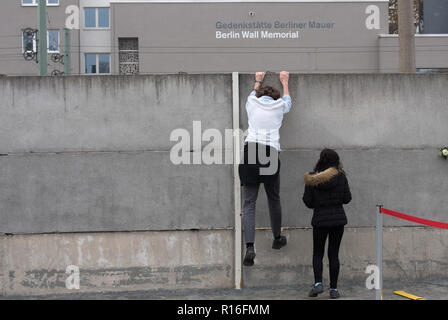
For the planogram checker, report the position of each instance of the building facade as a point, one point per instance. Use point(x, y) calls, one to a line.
point(95, 36)
point(90, 37)
point(171, 36)
point(16, 16)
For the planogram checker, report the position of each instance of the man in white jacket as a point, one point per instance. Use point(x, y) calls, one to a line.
point(265, 109)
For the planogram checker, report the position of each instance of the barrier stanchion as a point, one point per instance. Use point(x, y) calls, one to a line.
point(379, 252)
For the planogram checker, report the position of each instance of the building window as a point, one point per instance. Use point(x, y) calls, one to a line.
point(128, 55)
point(29, 41)
point(53, 41)
point(432, 70)
point(91, 63)
point(103, 17)
point(104, 63)
point(36, 2)
point(96, 18)
point(89, 15)
point(97, 63)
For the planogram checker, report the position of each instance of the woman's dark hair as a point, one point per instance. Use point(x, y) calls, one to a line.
point(328, 158)
point(268, 91)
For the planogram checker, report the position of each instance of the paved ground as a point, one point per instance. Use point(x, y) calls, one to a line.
point(429, 290)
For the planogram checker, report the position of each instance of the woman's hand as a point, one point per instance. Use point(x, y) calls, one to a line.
point(259, 76)
point(284, 77)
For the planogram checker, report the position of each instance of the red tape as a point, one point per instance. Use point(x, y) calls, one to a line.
point(403, 216)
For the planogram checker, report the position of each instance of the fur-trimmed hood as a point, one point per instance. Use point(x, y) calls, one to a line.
point(316, 179)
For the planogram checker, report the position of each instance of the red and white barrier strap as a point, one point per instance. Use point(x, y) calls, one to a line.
point(403, 216)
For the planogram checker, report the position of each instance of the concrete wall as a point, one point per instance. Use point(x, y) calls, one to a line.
point(126, 261)
point(117, 261)
point(86, 179)
point(409, 254)
point(92, 154)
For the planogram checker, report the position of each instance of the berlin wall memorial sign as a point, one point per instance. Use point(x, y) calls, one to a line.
point(266, 30)
point(244, 36)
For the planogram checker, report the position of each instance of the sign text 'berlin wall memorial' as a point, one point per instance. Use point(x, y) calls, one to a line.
point(267, 30)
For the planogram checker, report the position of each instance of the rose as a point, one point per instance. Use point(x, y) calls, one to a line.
point(444, 152)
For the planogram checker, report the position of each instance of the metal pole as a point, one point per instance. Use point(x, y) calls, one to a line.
point(67, 49)
point(42, 18)
point(379, 251)
point(236, 179)
point(406, 39)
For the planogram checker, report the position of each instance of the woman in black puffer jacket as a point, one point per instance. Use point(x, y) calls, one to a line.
point(326, 190)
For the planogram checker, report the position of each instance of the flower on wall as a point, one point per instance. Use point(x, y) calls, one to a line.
point(444, 152)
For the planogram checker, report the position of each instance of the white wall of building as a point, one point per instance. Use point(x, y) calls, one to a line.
point(93, 40)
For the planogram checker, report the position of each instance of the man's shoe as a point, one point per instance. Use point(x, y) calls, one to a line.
point(315, 290)
point(249, 257)
point(334, 294)
point(278, 243)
